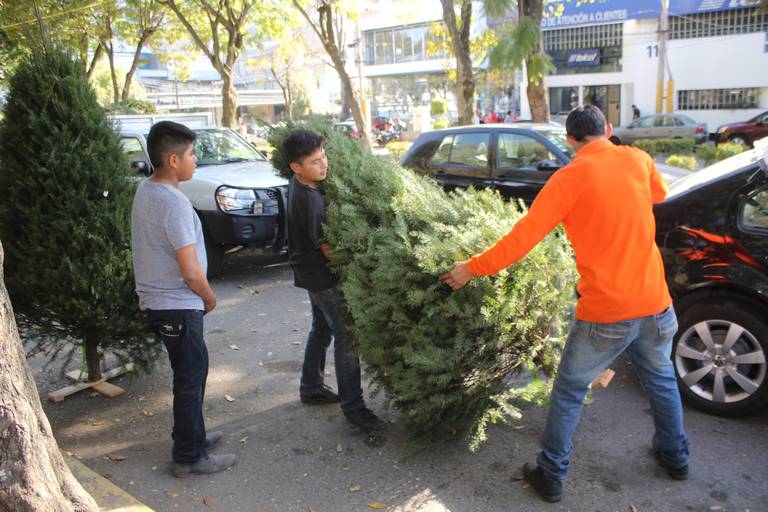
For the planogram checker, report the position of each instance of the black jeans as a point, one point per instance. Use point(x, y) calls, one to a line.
point(327, 322)
point(182, 333)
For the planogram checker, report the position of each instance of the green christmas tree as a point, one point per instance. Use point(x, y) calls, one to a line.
point(443, 358)
point(65, 215)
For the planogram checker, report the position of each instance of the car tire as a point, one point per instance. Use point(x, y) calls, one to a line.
point(215, 255)
point(738, 138)
point(737, 381)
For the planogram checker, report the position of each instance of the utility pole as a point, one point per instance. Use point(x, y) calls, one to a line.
point(361, 79)
point(663, 30)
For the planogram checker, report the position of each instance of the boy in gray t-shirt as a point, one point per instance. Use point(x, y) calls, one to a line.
point(169, 263)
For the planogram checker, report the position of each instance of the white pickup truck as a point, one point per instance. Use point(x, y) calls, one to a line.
point(235, 191)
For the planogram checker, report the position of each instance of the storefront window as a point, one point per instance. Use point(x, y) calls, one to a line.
point(384, 53)
point(563, 99)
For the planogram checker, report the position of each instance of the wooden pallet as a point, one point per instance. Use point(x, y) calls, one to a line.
point(102, 386)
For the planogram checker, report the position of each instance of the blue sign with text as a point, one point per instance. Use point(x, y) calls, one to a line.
point(587, 57)
point(567, 13)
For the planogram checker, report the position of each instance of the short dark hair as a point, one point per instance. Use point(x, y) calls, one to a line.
point(165, 138)
point(585, 120)
point(300, 144)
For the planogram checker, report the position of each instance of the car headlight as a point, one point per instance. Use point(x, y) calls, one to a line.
point(239, 200)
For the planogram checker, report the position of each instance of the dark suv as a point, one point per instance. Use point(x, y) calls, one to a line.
point(713, 234)
point(745, 132)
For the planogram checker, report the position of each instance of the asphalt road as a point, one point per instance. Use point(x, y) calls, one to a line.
point(300, 458)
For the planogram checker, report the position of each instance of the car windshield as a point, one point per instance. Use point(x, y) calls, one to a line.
point(557, 138)
point(713, 171)
point(217, 147)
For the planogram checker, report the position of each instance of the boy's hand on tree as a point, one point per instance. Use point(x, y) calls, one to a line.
point(458, 276)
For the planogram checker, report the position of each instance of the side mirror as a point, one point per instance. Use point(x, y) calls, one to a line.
point(547, 165)
point(140, 166)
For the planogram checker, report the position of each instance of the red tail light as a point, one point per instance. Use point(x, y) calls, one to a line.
point(699, 129)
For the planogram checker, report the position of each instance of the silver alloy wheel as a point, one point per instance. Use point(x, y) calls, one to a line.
point(720, 361)
point(738, 139)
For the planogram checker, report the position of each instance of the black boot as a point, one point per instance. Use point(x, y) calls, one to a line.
point(549, 489)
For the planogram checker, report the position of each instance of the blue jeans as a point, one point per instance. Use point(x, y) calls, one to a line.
point(182, 333)
point(327, 322)
point(591, 347)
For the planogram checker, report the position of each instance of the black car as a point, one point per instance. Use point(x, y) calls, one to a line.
point(713, 234)
point(515, 159)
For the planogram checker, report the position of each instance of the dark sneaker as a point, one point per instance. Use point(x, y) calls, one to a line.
point(211, 438)
point(321, 396)
point(364, 419)
point(674, 473)
point(206, 465)
point(549, 489)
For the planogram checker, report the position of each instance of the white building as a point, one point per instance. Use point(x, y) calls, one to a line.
point(607, 54)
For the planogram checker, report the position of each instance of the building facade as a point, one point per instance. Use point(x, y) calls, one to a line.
point(607, 54)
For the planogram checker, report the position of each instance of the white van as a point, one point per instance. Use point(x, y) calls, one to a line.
point(235, 191)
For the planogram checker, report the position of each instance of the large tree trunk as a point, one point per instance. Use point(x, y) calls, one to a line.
point(33, 475)
point(134, 66)
point(536, 90)
point(460, 44)
point(229, 100)
point(325, 30)
point(94, 61)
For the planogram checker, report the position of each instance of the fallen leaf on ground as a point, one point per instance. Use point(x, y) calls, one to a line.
point(518, 427)
point(296, 343)
point(377, 505)
point(355, 488)
point(632, 508)
point(147, 413)
point(244, 439)
point(229, 398)
point(255, 292)
point(339, 448)
point(116, 458)
point(108, 476)
point(171, 495)
point(98, 423)
point(234, 347)
point(207, 501)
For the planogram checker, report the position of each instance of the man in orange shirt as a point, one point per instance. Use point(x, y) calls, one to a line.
point(604, 199)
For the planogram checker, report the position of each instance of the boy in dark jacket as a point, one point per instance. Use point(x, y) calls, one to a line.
point(309, 257)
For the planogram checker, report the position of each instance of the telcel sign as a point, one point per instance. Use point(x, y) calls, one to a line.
point(588, 57)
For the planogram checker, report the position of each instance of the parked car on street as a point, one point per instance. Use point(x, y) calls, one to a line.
point(347, 127)
point(380, 124)
point(713, 234)
point(661, 126)
point(515, 159)
point(745, 132)
point(235, 191)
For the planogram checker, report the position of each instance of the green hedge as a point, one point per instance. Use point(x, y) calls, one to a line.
point(682, 161)
point(398, 148)
point(655, 147)
point(712, 154)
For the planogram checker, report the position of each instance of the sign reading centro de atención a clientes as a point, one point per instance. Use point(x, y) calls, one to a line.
point(567, 13)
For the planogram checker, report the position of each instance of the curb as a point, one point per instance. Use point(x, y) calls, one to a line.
point(108, 496)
